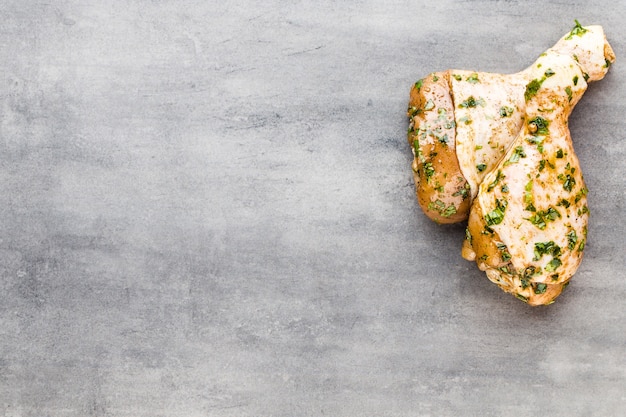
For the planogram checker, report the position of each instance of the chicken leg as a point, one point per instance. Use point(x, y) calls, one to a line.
point(528, 223)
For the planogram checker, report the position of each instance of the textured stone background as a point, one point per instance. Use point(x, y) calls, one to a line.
point(207, 209)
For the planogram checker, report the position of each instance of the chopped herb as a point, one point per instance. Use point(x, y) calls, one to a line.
point(568, 90)
point(457, 77)
point(549, 73)
point(478, 147)
point(429, 105)
point(564, 203)
point(540, 288)
point(449, 211)
point(581, 246)
point(484, 257)
point(578, 30)
point(538, 125)
point(607, 63)
point(471, 102)
point(521, 297)
point(575, 79)
point(413, 111)
point(473, 79)
point(466, 120)
point(429, 171)
point(435, 78)
point(505, 269)
point(580, 194)
point(504, 188)
point(553, 264)
point(586, 76)
point(506, 111)
point(506, 256)
point(443, 139)
point(496, 215)
point(572, 238)
point(440, 207)
point(525, 282)
point(468, 235)
point(540, 218)
point(530, 271)
point(542, 165)
point(546, 248)
point(532, 88)
point(419, 84)
point(518, 153)
point(528, 195)
point(481, 167)
point(463, 191)
point(437, 205)
point(551, 214)
point(530, 207)
point(499, 176)
point(559, 153)
point(568, 181)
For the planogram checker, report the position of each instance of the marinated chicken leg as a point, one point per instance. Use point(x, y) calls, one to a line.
point(528, 223)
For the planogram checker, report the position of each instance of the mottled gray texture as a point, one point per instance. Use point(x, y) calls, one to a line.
point(207, 210)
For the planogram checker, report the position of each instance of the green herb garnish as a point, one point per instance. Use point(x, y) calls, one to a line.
point(518, 153)
point(463, 191)
point(578, 30)
point(532, 88)
point(540, 218)
point(568, 90)
point(506, 111)
point(538, 126)
point(499, 176)
point(572, 238)
point(473, 79)
point(440, 207)
point(553, 264)
point(540, 288)
point(429, 171)
point(568, 181)
point(472, 102)
point(496, 215)
point(546, 248)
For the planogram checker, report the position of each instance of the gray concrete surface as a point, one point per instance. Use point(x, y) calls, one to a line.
point(207, 210)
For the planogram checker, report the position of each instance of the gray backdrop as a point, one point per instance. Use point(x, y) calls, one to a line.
point(207, 209)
